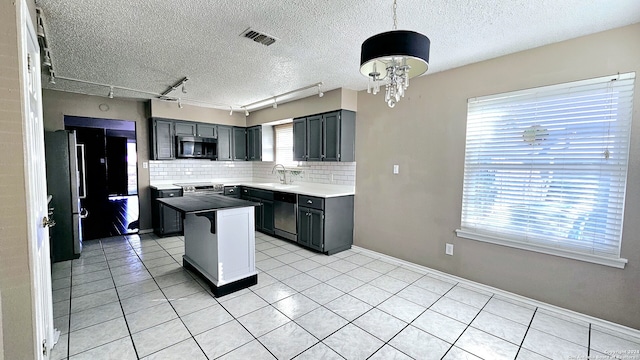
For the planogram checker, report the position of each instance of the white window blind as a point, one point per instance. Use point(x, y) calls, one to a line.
point(546, 168)
point(284, 144)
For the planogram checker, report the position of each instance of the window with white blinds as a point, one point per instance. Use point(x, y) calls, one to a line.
point(546, 168)
point(284, 144)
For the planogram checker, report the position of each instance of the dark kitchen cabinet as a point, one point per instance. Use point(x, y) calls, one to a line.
point(206, 130)
point(225, 143)
point(185, 128)
point(267, 225)
point(314, 138)
point(264, 214)
point(239, 143)
point(165, 220)
point(232, 191)
point(325, 225)
point(254, 143)
point(325, 137)
point(300, 139)
point(311, 228)
point(331, 135)
point(162, 139)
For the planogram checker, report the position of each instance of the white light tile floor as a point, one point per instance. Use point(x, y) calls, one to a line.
point(128, 297)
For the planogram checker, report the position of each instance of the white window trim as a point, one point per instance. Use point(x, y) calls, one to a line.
point(618, 262)
point(601, 260)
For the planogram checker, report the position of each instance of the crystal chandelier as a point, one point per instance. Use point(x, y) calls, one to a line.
point(392, 58)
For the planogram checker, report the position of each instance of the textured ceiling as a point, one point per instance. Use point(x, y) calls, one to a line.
point(149, 45)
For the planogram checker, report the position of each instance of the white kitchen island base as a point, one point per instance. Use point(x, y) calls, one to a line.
point(220, 246)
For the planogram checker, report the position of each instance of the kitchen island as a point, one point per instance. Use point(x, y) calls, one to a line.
point(219, 240)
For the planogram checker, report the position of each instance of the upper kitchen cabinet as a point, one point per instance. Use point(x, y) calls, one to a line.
point(225, 143)
point(325, 137)
point(300, 139)
point(254, 143)
point(162, 139)
point(185, 128)
point(206, 130)
point(239, 143)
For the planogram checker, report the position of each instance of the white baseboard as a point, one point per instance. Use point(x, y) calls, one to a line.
point(145, 231)
point(604, 324)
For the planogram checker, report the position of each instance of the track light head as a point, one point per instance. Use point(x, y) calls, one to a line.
point(320, 93)
point(52, 77)
point(180, 103)
point(184, 89)
point(46, 61)
point(275, 103)
point(110, 92)
point(246, 112)
point(230, 111)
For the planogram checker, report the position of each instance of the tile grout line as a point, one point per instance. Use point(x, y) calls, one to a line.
point(535, 311)
point(172, 307)
point(468, 326)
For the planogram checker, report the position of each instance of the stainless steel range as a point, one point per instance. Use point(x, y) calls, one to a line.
point(201, 188)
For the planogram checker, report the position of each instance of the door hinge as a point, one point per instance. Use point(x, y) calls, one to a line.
point(322, 216)
point(29, 63)
point(338, 156)
point(44, 347)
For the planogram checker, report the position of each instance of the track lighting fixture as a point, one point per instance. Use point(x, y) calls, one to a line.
point(184, 88)
point(110, 92)
point(230, 111)
point(273, 101)
point(52, 77)
point(180, 103)
point(46, 61)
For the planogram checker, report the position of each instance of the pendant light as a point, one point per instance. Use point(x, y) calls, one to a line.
point(392, 58)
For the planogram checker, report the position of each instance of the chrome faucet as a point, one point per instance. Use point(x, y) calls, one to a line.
point(282, 179)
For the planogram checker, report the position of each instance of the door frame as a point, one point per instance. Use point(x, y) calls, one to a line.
point(37, 233)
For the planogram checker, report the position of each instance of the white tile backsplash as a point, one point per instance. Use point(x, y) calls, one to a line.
point(339, 173)
point(185, 169)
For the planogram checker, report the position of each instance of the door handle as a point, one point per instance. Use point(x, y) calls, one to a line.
point(48, 222)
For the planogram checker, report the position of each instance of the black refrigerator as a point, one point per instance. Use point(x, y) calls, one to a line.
point(66, 185)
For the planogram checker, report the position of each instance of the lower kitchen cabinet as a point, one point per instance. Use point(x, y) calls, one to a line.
point(232, 191)
point(264, 214)
point(325, 225)
point(311, 228)
point(165, 220)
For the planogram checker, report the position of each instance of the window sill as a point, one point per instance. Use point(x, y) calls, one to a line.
point(596, 259)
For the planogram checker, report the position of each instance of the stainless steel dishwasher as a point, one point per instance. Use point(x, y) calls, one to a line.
point(285, 209)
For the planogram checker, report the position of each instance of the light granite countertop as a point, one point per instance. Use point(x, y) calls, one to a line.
point(300, 188)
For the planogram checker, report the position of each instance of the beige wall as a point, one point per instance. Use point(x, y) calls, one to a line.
point(15, 281)
point(57, 104)
point(412, 215)
point(168, 109)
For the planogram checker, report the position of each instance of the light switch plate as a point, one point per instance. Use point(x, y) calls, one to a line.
point(145, 164)
point(449, 249)
point(396, 169)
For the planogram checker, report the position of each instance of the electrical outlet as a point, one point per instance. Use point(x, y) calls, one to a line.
point(396, 169)
point(449, 249)
point(145, 164)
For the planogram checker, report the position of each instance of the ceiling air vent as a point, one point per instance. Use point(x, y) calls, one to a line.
point(258, 37)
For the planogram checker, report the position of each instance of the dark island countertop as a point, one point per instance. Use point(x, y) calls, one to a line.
point(204, 203)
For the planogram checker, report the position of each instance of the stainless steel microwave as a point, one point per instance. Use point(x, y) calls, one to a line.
point(195, 147)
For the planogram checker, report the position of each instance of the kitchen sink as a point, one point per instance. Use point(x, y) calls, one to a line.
point(277, 186)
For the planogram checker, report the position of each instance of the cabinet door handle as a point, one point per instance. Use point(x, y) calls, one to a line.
point(230, 190)
point(171, 195)
point(309, 202)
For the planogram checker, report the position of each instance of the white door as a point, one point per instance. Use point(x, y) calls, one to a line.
point(36, 185)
